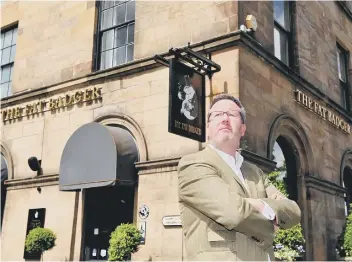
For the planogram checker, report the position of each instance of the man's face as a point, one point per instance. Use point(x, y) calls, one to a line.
point(225, 127)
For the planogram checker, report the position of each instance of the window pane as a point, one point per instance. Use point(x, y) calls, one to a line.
point(9, 91)
point(5, 74)
point(121, 35)
point(130, 33)
point(119, 56)
point(130, 49)
point(4, 90)
point(11, 72)
point(107, 4)
point(13, 53)
point(119, 2)
point(343, 98)
point(131, 10)
point(5, 56)
point(341, 65)
point(106, 59)
point(107, 41)
point(280, 46)
point(281, 13)
point(2, 40)
point(8, 39)
point(120, 14)
point(106, 19)
point(14, 36)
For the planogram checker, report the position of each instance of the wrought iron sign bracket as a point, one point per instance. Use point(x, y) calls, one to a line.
point(196, 61)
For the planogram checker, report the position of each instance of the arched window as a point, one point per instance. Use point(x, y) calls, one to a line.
point(4, 176)
point(347, 183)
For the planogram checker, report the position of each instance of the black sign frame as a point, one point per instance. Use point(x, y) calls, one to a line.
point(34, 221)
point(186, 101)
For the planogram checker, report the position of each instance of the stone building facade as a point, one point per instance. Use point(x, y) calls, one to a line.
point(296, 93)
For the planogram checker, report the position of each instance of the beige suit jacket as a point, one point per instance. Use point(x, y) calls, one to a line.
point(219, 222)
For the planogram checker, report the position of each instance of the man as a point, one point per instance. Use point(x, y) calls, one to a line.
point(229, 210)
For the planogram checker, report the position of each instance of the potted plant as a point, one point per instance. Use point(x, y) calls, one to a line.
point(124, 241)
point(344, 246)
point(39, 240)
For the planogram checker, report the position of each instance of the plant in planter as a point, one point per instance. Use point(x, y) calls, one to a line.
point(288, 243)
point(39, 240)
point(124, 241)
point(344, 247)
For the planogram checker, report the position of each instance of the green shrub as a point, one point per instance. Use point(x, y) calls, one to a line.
point(39, 240)
point(288, 243)
point(124, 241)
point(347, 238)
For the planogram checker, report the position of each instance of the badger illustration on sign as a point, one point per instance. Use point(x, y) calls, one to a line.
point(186, 93)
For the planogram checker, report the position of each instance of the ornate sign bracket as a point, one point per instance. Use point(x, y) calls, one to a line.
point(192, 59)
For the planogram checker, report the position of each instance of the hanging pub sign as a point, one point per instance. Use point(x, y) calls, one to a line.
point(186, 102)
point(36, 218)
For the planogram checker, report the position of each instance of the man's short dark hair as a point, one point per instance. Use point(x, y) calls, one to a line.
point(233, 99)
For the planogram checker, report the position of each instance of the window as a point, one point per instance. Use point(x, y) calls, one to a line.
point(116, 33)
point(342, 58)
point(7, 54)
point(282, 31)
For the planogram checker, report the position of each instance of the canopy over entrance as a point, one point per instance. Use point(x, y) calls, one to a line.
point(96, 156)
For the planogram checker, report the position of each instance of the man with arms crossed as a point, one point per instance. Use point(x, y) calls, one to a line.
point(229, 210)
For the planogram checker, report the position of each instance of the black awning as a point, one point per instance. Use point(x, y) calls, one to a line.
point(96, 156)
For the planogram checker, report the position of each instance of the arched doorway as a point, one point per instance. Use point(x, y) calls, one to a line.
point(4, 177)
point(288, 142)
point(347, 183)
point(287, 164)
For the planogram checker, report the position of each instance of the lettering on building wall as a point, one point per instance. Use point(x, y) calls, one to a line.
point(322, 111)
point(68, 100)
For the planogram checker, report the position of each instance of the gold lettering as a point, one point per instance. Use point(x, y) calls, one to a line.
point(10, 113)
point(42, 105)
point(305, 100)
point(324, 112)
point(70, 99)
point(298, 95)
point(96, 93)
point(310, 102)
point(18, 112)
point(53, 103)
point(31, 109)
point(177, 124)
point(78, 96)
point(4, 115)
point(320, 112)
point(86, 94)
point(60, 102)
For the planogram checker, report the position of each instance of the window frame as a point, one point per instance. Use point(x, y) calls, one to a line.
point(288, 34)
point(10, 64)
point(344, 86)
point(97, 53)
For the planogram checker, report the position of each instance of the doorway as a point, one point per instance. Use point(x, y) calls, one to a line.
point(104, 209)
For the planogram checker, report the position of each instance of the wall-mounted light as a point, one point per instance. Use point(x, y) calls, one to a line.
point(35, 165)
point(251, 22)
point(39, 189)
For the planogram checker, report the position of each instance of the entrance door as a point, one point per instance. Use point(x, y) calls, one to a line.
point(104, 209)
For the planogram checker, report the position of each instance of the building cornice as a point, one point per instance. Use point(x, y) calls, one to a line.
point(324, 185)
point(345, 8)
point(157, 166)
point(265, 164)
point(30, 182)
point(215, 44)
